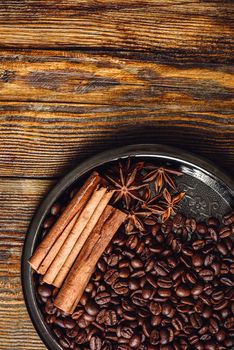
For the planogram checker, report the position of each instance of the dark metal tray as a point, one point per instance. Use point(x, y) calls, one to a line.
point(209, 192)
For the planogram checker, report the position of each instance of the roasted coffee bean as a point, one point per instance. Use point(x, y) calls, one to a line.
point(164, 336)
point(197, 259)
point(227, 281)
point(91, 308)
point(44, 291)
point(222, 248)
point(135, 341)
point(152, 280)
point(111, 276)
point(110, 318)
point(55, 209)
point(154, 337)
point(198, 244)
point(164, 282)
point(95, 343)
point(155, 308)
point(113, 260)
point(178, 324)
point(64, 343)
point(229, 323)
point(81, 338)
point(206, 274)
point(49, 221)
point(124, 272)
point(183, 291)
point(163, 292)
point(121, 287)
point(197, 290)
point(102, 298)
point(134, 284)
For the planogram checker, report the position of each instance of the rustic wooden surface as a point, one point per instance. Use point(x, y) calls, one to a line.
point(78, 77)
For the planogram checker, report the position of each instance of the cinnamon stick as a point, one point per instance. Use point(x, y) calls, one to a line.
point(57, 246)
point(74, 206)
point(75, 233)
point(82, 239)
point(84, 265)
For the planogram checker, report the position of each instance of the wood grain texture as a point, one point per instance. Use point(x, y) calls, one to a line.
point(114, 79)
point(202, 28)
point(46, 140)
point(19, 199)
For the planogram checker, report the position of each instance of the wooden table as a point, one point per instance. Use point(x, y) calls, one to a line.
point(79, 77)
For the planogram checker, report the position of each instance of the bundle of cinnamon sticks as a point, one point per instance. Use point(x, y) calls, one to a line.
point(68, 254)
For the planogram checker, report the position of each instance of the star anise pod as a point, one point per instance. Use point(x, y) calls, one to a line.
point(125, 183)
point(135, 219)
point(169, 203)
point(161, 176)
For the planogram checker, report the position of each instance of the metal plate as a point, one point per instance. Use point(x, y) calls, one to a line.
point(209, 192)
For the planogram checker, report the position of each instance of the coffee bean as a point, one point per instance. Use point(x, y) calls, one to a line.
point(110, 318)
point(132, 241)
point(177, 323)
point(124, 272)
point(197, 290)
point(220, 335)
point(168, 310)
point(227, 281)
point(103, 298)
point(164, 336)
point(165, 282)
point(95, 343)
point(222, 248)
point(154, 337)
point(155, 308)
point(69, 323)
point(198, 244)
point(64, 343)
point(113, 260)
point(152, 280)
point(135, 341)
point(183, 291)
point(198, 259)
point(121, 287)
point(81, 338)
point(134, 284)
point(55, 209)
point(44, 290)
point(49, 221)
point(213, 327)
point(206, 274)
point(111, 276)
point(229, 323)
point(136, 263)
point(91, 308)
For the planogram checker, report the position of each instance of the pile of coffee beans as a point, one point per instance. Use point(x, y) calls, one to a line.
point(171, 287)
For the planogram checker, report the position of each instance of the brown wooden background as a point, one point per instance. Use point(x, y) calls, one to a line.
point(78, 77)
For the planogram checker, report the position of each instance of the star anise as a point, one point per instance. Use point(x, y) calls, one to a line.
point(161, 176)
point(135, 219)
point(125, 183)
point(169, 203)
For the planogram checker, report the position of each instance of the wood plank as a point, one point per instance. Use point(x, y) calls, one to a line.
point(193, 28)
point(113, 79)
point(46, 140)
point(19, 199)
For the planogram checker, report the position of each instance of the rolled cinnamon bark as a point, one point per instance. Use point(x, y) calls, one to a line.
point(82, 239)
point(57, 246)
point(79, 275)
point(75, 233)
point(76, 204)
